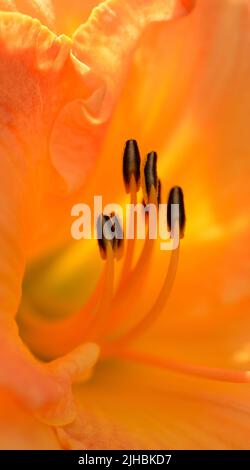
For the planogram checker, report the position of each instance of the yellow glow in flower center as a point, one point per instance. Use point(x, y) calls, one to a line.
point(106, 316)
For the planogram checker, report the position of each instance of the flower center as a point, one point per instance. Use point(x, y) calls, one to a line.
point(115, 313)
point(111, 324)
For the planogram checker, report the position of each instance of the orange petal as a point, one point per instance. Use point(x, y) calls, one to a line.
point(98, 49)
point(99, 43)
point(28, 53)
point(19, 430)
point(138, 407)
point(61, 16)
point(198, 118)
point(69, 15)
point(39, 9)
point(198, 122)
point(44, 388)
point(30, 56)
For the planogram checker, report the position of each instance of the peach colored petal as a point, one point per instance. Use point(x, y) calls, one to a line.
point(39, 9)
point(98, 49)
point(65, 16)
point(99, 43)
point(209, 300)
point(37, 58)
point(69, 15)
point(19, 430)
point(212, 286)
point(44, 388)
point(140, 408)
point(21, 64)
point(23, 124)
point(196, 149)
point(219, 412)
point(61, 16)
point(30, 55)
point(198, 119)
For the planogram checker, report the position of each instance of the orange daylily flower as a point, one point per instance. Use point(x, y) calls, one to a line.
point(73, 90)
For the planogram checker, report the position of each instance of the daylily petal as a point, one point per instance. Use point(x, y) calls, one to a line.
point(37, 56)
point(197, 149)
point(211, 293)
point(21, 64)
point(196, 120)
point(139, 408)
point(19, 430)
point(39, 9)
point(98, 49)
point(215, 409)
point(77, 11)
point(44, 388)
point(21, 88)
point(61, 16)
point(199, 116)
point(69, 15)
point(30, 55)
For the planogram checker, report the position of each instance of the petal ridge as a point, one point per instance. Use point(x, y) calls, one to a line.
point(105, 44)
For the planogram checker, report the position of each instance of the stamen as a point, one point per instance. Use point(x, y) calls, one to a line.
point(134, 284)
point(159, 192)
point(131, 176)
point(130, 242)
point(105, 310)
point(109, 282)
point(112, 250)
point(158, 306)
point(102, 315)
point(62, 335)
point(131, 289)
point(118, 241)
point(195, 370)
point(103, 241)
point(109, 244)
point(176, 197)
point(150, 185)
point(131, 165)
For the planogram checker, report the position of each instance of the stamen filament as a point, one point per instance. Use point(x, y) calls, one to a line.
point(205, 372)
point(159, 304)
point(131, 242)
point(123, 295)
point(102, 314)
